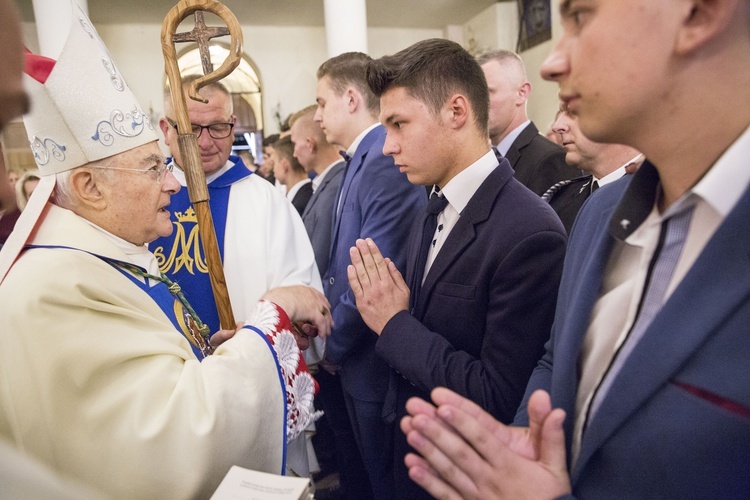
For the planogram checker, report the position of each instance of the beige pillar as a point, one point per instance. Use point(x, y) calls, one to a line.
point(346, 26)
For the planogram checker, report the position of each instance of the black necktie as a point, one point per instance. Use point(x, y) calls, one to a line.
point(594, 186)
point(436, 205)
point(348, 160)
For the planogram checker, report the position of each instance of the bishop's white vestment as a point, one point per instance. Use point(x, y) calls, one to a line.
point(97, 381)
point(263, 244)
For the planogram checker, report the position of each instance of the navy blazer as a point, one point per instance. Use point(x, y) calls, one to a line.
point(302, 197)
point(538, 162)
point(484, 312)
point(378, 202)
point(676, 421)
point(318, 215)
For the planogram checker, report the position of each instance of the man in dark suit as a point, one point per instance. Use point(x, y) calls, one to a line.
point(334, 430)
point(375, 200)
point(290, 173)
point(318, 156)
point(644, 391)
point(538, 162)
point(484, 280)
point(603, 164)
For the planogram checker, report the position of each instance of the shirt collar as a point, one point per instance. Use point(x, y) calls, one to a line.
point(354, 145)
point(293, 190)
point(462, 187)
point(509, 139)
point(319, 178)
point(721, 187)
point(139, 255)
point(616, 174)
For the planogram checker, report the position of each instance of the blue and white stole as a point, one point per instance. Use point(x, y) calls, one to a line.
point(180, 255)
point(159, 293)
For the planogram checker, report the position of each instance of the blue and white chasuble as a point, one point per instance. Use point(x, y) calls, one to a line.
point(180, 255)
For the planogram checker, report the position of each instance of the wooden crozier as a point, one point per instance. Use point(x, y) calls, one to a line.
point(187, 141)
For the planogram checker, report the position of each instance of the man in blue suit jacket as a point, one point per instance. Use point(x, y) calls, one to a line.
point(375, 200)
point(647, 367)
point(334, 430)
point(482, 313)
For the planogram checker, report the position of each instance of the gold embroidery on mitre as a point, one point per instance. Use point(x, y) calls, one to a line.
point(186, 248)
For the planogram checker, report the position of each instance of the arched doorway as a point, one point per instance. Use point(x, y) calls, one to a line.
point(244, 86)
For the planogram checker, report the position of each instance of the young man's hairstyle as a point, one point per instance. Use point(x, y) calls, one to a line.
point(270, 140)
point(432, 71)
point(350, 69)
point(285, 149)
point(504, 57)
point(304, 112)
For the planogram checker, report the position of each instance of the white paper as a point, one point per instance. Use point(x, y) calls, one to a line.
point(246, 484)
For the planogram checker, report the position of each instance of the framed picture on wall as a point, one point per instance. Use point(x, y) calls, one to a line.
point(535, 23)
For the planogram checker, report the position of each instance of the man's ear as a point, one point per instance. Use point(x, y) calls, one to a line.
point(524, 91)
point(313, 144)
point(87, 189)
point(285, 164)
point(456, 111)
point(165, 126)
point(702, 20)
point(352, 99)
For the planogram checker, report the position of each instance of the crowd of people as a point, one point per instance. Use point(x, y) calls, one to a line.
point(431, 298)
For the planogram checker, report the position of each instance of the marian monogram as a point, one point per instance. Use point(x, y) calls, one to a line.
point(186, 248)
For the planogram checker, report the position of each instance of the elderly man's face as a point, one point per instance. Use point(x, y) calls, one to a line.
point(13, 100)
point(137, 200)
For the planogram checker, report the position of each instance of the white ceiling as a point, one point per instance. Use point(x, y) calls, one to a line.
point(431, 14)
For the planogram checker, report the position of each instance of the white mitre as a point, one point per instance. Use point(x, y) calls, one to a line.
point(82, 110)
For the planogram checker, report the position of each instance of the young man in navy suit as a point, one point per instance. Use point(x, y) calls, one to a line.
point(644, 391)
point(484, 278)
point(333, 432)
point(377, 200)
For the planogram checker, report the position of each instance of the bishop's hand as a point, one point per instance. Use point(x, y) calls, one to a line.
point(305, 306)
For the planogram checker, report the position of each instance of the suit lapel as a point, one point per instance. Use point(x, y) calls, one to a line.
point(350, 173)
point(523, 140)
point(477, 210)
point(578, 294)
point(721, 272)
point(328, 178)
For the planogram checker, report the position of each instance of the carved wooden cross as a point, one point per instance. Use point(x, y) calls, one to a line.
point(202, 34)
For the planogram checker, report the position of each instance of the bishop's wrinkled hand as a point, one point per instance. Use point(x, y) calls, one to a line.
point(305, 306)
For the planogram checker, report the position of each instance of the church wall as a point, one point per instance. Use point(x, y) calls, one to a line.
point(287, 58)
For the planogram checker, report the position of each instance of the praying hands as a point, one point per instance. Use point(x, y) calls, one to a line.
point(466, 453)
point(379, 288)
